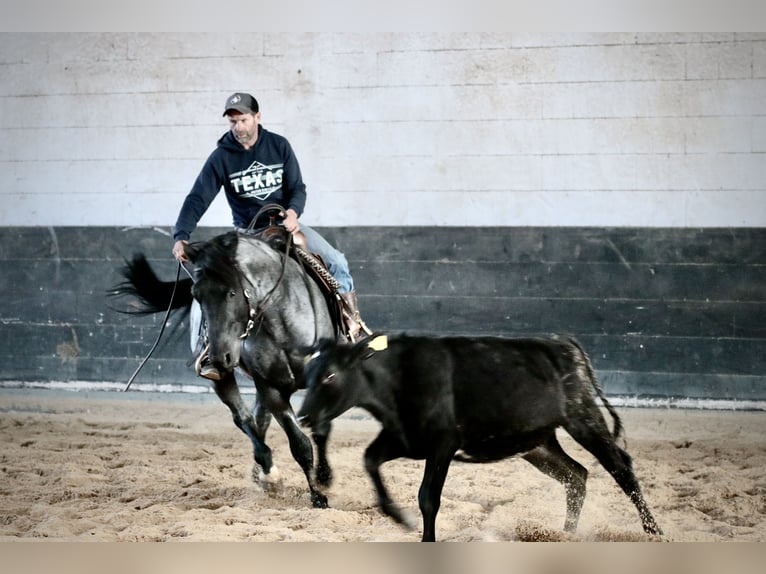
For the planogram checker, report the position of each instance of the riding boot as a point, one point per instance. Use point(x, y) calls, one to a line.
point(204, 367)
point(353, 318)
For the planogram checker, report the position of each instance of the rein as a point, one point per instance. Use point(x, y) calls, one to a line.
point(256, 309)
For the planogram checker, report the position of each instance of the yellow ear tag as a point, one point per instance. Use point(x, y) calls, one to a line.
point(379, 343)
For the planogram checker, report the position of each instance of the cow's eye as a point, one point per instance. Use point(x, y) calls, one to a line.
point(328, 379)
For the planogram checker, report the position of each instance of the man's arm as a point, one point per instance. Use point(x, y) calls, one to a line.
point(293, 185)
point(203, 192)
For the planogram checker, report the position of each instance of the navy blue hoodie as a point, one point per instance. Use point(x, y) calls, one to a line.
point(266, 173)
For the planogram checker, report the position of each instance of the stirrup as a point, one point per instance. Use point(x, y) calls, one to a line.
point(356, 329)
point(204, 367)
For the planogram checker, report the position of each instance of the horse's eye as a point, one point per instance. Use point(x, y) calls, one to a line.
point(232, 293)
point(328, 379)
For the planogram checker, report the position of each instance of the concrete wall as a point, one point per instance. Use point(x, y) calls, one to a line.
point(608, 185)
point(663, 312)
point(666, 130)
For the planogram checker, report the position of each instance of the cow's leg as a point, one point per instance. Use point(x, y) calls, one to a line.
point(599, 442)
point(429, 496)
point(228, 392)
point(551, 459)
point(300, 445)
point(382, 449)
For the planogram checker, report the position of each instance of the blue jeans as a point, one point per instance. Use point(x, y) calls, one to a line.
point(334, 259)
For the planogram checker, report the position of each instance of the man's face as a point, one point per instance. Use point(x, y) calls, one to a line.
point(244, 127)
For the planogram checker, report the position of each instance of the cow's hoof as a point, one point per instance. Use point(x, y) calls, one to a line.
point(654, 530)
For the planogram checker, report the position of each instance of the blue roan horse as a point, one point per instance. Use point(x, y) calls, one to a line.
point(259, 305)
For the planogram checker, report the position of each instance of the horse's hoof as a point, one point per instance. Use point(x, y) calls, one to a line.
point(319, 500)
point(269, 482)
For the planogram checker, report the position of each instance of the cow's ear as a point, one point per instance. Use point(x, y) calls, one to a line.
point(328, 378)
point(303, 354)
point(366, 348)
point(306, 353)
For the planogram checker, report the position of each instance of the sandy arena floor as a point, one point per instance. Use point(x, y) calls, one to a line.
point(138, 467)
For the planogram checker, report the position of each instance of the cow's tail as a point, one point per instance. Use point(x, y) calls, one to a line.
point(618, 428)
point(150, 294)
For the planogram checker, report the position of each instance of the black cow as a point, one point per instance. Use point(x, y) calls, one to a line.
point(477, 399)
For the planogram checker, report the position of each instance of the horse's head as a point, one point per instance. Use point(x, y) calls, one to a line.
point(220, 290)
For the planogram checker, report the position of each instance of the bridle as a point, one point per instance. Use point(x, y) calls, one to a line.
point(255, 309)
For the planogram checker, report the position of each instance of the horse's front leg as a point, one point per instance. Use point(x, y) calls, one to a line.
point(253, 426)
point(300, 445)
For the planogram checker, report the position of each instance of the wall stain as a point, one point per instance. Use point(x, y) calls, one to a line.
point(68, 351)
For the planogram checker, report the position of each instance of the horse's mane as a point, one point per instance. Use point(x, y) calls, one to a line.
point(216, 258)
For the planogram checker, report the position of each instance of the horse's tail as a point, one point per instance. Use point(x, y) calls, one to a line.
point(151, 295)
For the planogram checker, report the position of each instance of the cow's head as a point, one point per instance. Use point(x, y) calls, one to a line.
point(333, 378)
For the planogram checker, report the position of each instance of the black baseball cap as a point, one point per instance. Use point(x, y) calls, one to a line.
point(241, 102)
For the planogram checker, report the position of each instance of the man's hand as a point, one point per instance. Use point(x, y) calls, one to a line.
point(291, 221)
point(178, 251)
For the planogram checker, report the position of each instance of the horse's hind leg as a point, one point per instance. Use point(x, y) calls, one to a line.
point(323, 470)
point(551, 459)
point(255, 429)
point(268, 475)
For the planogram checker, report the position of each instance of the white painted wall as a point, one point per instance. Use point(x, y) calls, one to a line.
point(394, 129)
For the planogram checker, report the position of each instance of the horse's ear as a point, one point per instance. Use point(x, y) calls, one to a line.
point(191, 251)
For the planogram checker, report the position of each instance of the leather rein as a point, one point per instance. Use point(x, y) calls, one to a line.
point(256, 308)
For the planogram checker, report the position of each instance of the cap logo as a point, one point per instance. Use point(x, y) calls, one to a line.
point(234, 100)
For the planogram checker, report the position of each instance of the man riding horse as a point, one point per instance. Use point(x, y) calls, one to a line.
point(255, 167)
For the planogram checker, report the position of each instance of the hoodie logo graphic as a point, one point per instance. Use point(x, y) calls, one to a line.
point(258, 180)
